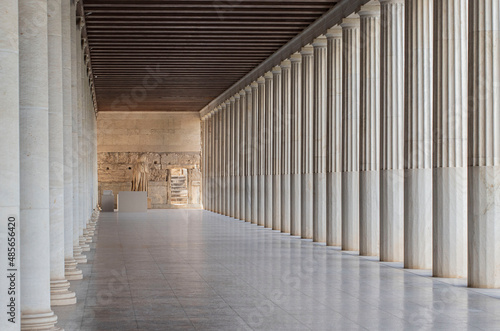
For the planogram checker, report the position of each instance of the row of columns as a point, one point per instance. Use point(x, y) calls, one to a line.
point(49, 172)
point(367, 139)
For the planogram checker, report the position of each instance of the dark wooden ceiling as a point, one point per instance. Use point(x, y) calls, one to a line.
point(167, 55)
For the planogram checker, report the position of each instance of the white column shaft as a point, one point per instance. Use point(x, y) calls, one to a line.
point(236, 157)
point(242, 154)
point(334, 138)
point(392, 131)
point(276, 151)
point(418, 134)
point(267, 150)
point(350, 133)
point(296, 143)
point(286, 136)
point(255, 155)
point(450, 139)
point(34, 166)
point(261, 155)
point(319, 139)
point(369, 176)
point(249, 156)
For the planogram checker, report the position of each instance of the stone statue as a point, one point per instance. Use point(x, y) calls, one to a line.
point(141, 174)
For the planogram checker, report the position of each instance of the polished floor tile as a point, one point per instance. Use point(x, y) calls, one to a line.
point(195, 270)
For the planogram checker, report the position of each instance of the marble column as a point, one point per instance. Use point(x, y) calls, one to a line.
point(260, 142)
point(236, 156)
point(59, 285)
point(296, 143)
point(222, 159)
point(229, 158)
point(34, 167)
point(334, 138)
point(392, 131)
point(210, 145)
point(450, 139)
point(286, 138)
point(418, 134)
point(227, 142)
point(71, 270)
point(216, 140)
point(307, 142)
point(319, 139)
point(75, 95)
point(9, 144)
point(267, 150)
point(254, 148)
point(242, 141)
point(249, 156)
point(276, 150)
point(350, 132)
point(484, 145)
point(369, 111)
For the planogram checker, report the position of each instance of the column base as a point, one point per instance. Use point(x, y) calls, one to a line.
point(60, 295)
point(71, 272)
point(39, 322)
point(83, 244)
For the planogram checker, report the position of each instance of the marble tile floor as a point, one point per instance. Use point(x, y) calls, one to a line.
point(196, 270)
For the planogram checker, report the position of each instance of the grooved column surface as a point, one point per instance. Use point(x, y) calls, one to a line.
point(418, 134)
point(268, 150)
point(261, 151)
point(319, 139)
point(286, 146)
point(369, 110)
point(296, 150)
point(256, 128)
point(242, 154)
point(350, 132)
point(334, 138)
point(484, 145)
point(276, 131)
point(249, 156)
point(392, 131)
point(307, 142)
point(450, 139)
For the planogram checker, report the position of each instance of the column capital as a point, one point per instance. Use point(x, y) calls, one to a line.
point(307, 50)
point(351, 22)
point(254, 84)
point(261, 80)
point(248, 89)
point(276, 70)
point(232, 99)
point(383, 2)
point(227, 102)
point(296, 57)
point(237, 96)
point(242, 92)
point(334, 32)
point(285, 64)
point(320, 42)
point(268, 75)
point(370, 9)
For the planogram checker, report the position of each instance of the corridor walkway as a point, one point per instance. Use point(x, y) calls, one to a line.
point(195, 270)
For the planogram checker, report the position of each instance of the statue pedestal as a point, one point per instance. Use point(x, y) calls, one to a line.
point(132, 202)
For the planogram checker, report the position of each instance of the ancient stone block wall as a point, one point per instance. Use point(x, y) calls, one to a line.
point(171, 140)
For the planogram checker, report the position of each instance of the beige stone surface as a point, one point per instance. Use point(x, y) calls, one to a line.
point(148, 132)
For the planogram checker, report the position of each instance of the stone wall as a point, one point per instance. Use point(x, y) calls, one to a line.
point(170, 140)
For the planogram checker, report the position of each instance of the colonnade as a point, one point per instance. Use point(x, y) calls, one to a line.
point(49, 153)
point(381, 136)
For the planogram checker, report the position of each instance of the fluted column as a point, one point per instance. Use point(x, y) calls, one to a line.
point(319, 139)
point(71, 270)
point(418, 134)
point(334, 138)
point(34, 167)
point(484, 145)
point(369, 176)
point(229, 158)
point(267, 150)
point(260, 102)
point(9, 144)
point(296, 143)
point(217, 140)
point(307, 142)
point(59, 285)
point(236, 157)
point(350, 132)
point(242, 141)
point(276, 151)
point(210, 183)
point(249, 202)
point(75, 96)
point(255, 155)
point(286, 144)
point(392, 131)
point(450, 139)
